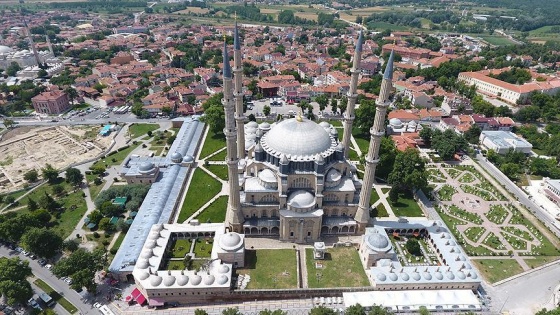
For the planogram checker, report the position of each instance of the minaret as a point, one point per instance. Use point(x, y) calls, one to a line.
point(372, 158)
point(234, 217)
point(238, 94)
point(352, 95)
point(50, 45)
point(31, 43)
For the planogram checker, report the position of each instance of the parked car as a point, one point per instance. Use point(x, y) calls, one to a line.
point(31, 302)
point(97, 305)
point(48, 266)
point(42, 262)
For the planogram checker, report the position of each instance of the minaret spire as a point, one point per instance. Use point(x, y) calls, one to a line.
point(352, 95)
point(50, 45)
point(377, 131)
point(31, 42)
point(238, 94)
point(234, 217)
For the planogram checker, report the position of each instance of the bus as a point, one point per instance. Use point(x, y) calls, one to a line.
point(47, 299)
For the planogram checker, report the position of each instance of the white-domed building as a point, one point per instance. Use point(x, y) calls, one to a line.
point(296, 183)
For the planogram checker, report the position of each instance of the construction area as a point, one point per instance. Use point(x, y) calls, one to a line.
point(26, 148)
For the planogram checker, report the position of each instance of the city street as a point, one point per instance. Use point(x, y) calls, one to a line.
point(522, 197)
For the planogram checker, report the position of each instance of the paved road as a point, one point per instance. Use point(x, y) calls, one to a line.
point(522, 197)
point(58, 285)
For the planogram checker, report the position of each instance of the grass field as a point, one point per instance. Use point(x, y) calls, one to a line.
point(137, 130)
point(212, 143)
point(119, 241)
point(219, 170)
point(340, 268)
point(202, 248)
point(543, 34)
point(216, 211)
point(62, 301)
point(381, 26)
point(195, 10)
point(116, 158)
point(94, 190)
point(270, 268)
point(406, 207)
point(374, 197)
point(380, 211)
point(495, 270)
point(70, 217)
point(180, 248)
point(497, 40)
point(203, 187)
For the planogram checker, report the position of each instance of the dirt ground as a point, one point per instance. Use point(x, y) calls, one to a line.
point(26, 148)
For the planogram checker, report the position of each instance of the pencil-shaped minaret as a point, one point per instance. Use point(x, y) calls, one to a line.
point(238, 94)
point(49, 44)
point(372, 158)
point(352, 96)
point(234, 218)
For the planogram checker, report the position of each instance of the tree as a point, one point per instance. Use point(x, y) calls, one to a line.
point(473, 134)
point(31, 176)
point(81, 266)
point(16, 291)
point(334, 105)
point(270, 312)
point(387, 155)
point(323, 101)
point(266, 110)
point(199, 311)
point(105, 224)
point(231, 311)
point(70, 245)
point(356, 309)
point(42, 216)
point(109, 209)
point(98, 169)
point(394, 195)
point(13, 280)
point(409, 172)
point(57, 189)
point(9, 199)
point(50, 173)
point(47, 202)
point(12, 69)
point(32, 205)
point(74, 176)
point(95, 216)
point(343, 104)
point(379, 310)
point(72, 94)
point(214, 113)
point(9, 123)
point(365, 115)
point(426, 135)
point(42, 242)
point(321, 310)
point(413, 247)
point(423, 310)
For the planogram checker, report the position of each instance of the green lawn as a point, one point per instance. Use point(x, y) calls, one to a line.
point(216, 211)
point(374, 197)
point(446, 192)
point(406, 207)
point(70, 218)
point(495, 270)
point(381, 26)
point(270, 269)
point(535, 262)
point(203, 187)
point(137, 130)
point(119, 241)
point(340, 268)
point(203, 248)
point(94, 190)
point(212, 143)
point(16, 195)
point(497, 40)
point(118, 157)
point(180, 248)
point(62, 301)
point(219, 170)
point(380, 211)
point(220, 156)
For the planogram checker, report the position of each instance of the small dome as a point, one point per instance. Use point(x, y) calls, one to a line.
point(438, 275)
point(223, 269)
point(473, 275)
point(143, 275)
point(188, 159)
point(155, 280)
point(324, 124)
point(209, 280)
point(461, 275)
point(143, 263)
point(146, 167)
point(416, 276)
point(376, 241)
point(153, 236)
point(381, 277)
point(395, 122)
point(301, 199)
point(176, 157)
point(231, 241)
point(196, 280)
point(147, 253)
point(251, 124)
point(393, 276)
point(251, 137)
point(405, 276)
point(461, 258)
point(339, 147)
point(450, 275)
point(158, 227)
point(222, 279)
point(150, 244)
point(333, 175)
point(5, 49)
point(264, 126)
point(427, 275)
point(250, 130)
point(182, 280)
point(467, 266)
point(451, 243)
point(267, 176)
point(169, 281)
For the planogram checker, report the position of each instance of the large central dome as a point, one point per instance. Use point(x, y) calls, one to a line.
point(297, 137)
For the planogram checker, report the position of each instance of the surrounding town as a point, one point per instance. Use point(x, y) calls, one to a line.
point(279, 158)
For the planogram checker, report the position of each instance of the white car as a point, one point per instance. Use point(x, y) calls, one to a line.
point(48, 266)
point(97, 305)
point(68, 280)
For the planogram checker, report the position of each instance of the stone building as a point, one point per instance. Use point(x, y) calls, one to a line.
point(51, 102)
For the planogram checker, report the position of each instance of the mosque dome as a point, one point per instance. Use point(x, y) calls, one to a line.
point(196, 280)
point(267, 175)
point(461, 275)
point(169, 281)
point(381, 277)
point(393, 276)
point(153, 236)
point(176, 157)
point(395, 123)
point(405, 276)
point(222, 279)
point(297, 137)
point(143, 275)
point(143, 263)
point(146, 167)
point(264, 126)
point(209, 280)
point(223, 269)
point(376, 241)
point(231, 241)
point(155, 280)
point(333, 175)
point(416, 276)
point(251, 124)
point(150, 244)
point(325, 124)
point(147, 253)
point(427, 275)
point(182, 280)
point(450, 275)
point(188, 159)
point(301, 199)
point(5, 49)
point(438, 275)
point(473, 275)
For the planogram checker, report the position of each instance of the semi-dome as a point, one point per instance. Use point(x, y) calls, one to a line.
point(182, 280)
point(231, 241)
point(146, 167)
point(169, 281)
point(301, 199)
point(333, 175)
point(297, 137)
point(5, 49)
point(377, 242)
point(223, 269)
point(222, 279)
point(196, 280)
point(381, 277)
point(209, 280)
point(143, 275)
point(267, 176)
point(176, 157)
point(155, 280)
